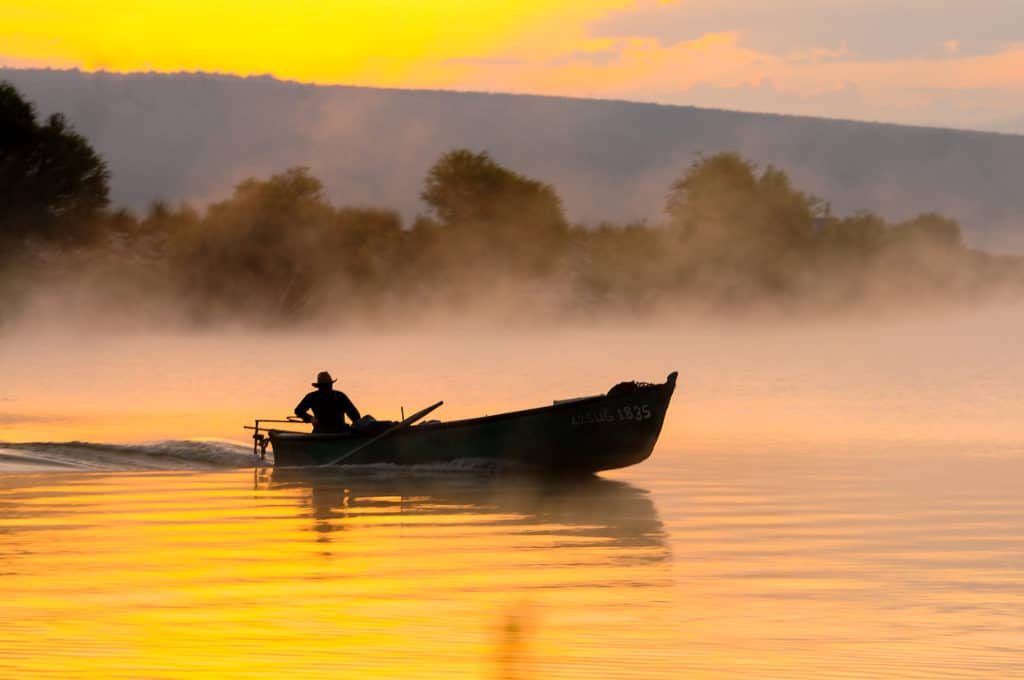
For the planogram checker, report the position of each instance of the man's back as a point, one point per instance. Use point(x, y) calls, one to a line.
point(329, 409)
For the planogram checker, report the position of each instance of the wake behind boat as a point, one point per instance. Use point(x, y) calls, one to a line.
point(586, 435)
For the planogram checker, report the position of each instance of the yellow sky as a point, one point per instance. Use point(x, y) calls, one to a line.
point(408, 42)
point(552, 47)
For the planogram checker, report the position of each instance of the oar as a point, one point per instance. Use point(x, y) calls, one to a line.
point(391, 430)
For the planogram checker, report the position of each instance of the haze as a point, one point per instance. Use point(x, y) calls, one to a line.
point(925, 383)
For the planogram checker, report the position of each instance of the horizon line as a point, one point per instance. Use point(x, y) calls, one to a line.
point(576, 98)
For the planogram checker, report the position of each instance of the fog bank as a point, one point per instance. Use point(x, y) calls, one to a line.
point(924, 382)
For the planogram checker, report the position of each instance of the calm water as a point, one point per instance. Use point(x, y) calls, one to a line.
point(803, 565)
point(831, 500)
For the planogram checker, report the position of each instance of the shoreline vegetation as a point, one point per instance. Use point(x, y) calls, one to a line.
point(734, 238)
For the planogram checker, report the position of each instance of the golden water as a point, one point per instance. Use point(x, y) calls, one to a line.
point(800, 566)
point(827, 501)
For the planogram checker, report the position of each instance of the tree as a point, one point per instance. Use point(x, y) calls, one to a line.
point(52, 183)
point(252, 252)
point(928, 230)
point(625, 265)
point(721, 204)
point(853, 239)
point(491, 209)
point(741, 233)
point(277, 248)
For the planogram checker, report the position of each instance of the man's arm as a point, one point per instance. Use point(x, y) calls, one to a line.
point(302, 410)
point(350, 409)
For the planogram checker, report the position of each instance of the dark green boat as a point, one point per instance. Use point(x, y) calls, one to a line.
point(583, 435)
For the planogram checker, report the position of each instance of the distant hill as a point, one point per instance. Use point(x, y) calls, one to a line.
point(193, 136)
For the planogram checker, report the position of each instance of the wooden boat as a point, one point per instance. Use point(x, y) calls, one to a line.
point(585, 435)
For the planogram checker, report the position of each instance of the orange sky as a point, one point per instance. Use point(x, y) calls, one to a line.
point(958, 68)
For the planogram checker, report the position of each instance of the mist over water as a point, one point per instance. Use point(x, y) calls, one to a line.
point(915, 380)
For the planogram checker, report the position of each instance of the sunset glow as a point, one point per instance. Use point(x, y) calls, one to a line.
point(962, 69)
point(513, 339)
point(400, 43)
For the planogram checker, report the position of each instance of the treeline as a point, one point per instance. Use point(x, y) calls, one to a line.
point(276, 251)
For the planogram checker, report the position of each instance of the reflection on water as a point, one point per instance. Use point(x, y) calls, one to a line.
point(827, 500)
point(574, 511)
point(806, 565)
point(282, 572)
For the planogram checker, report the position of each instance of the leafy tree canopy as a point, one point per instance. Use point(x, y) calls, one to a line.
point(721, 204)
point(52, 183)
point(929, 229)
point(481, 209)
point(465, 188)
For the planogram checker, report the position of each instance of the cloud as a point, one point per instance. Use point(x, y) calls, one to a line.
point(719, 70)
point(869, 29)
point(486, 61)
point(602, 56)
point(23, 419)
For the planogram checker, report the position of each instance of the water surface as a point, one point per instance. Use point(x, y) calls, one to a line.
point(828, 500)
point(806, 565)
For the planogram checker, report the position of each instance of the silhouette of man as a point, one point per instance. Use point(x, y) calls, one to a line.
point(329, 406)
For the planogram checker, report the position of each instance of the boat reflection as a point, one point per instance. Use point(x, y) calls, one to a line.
point(584, 510)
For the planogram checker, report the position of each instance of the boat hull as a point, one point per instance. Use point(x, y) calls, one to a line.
point(585, 435)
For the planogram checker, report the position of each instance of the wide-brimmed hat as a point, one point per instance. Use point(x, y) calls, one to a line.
point(324, 378)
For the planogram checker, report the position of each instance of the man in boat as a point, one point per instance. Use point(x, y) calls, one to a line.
point(329, 406)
